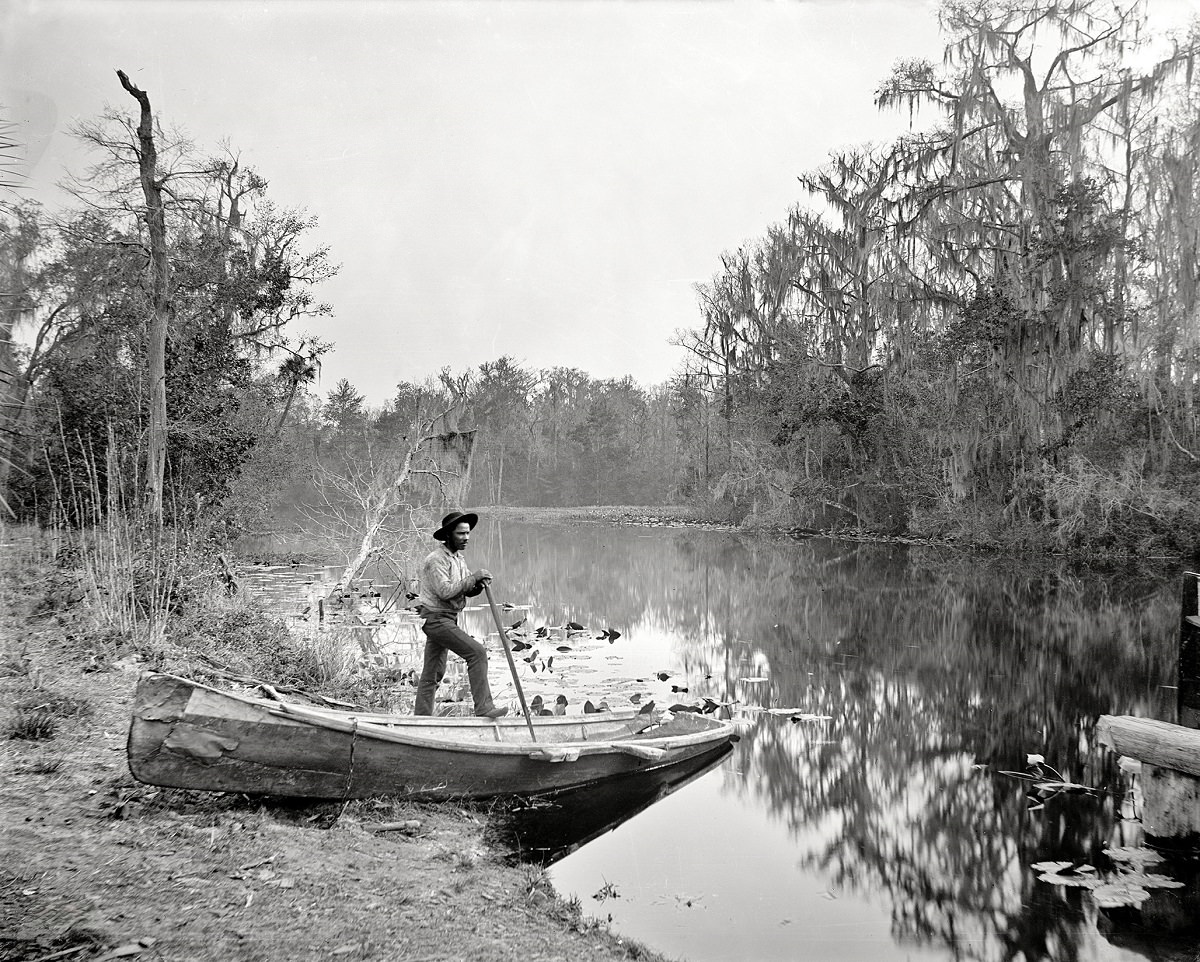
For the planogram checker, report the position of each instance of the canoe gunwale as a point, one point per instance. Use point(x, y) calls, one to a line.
point(413, 721)
point(718, 731)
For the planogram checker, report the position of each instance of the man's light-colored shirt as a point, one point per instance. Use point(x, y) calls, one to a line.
point(445, 581)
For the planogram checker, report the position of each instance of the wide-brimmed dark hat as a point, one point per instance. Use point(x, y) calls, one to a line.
point(451, 520)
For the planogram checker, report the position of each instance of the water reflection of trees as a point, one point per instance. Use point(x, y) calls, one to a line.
point(929, 666)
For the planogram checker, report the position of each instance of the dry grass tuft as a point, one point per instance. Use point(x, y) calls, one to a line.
point(32, 724)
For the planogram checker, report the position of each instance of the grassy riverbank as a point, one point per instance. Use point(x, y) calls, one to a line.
point(99, 864)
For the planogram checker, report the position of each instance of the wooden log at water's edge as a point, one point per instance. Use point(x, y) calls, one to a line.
point(1150, 740)
point(1170, 775)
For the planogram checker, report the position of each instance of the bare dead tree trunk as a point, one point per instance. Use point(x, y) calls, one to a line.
point(160, 296)
point(392, 495)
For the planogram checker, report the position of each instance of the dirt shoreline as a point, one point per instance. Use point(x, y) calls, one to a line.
point(98, 866)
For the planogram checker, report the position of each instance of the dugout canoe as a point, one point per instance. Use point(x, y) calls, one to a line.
point(188, 735)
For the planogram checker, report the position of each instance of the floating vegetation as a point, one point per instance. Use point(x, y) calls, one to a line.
point(1116, 895)
point(1151, 880)
point(1068, 874)
point(1119, 889)
point(1139, 858)
point(1047, 782)
point(606, 891)
point(522, 637)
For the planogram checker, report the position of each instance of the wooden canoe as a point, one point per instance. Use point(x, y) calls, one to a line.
point(188, 735)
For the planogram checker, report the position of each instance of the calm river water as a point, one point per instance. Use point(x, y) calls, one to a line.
point(884, 692)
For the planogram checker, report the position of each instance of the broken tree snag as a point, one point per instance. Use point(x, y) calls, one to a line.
point(160, 298)
point(445, 458)
point(229, 576)
point(1170, 757)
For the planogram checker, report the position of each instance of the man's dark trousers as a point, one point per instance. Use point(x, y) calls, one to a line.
point(443, 635)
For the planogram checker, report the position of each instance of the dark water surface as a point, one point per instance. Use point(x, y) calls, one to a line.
point(883, 692)
point(881, 828)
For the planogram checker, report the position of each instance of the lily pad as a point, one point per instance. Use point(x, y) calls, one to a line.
point(1050, 866)
point(1116, 895)
point(1138, 857)
point(1071, 881)
point(1151, 880)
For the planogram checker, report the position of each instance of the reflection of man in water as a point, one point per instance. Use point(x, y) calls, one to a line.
point(445, 585)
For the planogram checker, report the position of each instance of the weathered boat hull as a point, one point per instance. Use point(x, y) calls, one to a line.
point(186, 735)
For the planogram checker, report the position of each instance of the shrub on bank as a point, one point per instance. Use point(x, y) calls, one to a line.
point(224, 639)
point(179, 619)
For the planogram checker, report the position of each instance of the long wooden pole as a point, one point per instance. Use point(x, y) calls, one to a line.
point(512, 665)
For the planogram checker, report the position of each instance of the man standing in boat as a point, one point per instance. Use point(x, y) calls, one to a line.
point(445, 585)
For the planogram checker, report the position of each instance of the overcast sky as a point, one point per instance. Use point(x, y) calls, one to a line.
point(541, 179)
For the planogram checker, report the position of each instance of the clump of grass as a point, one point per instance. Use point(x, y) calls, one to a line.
point(537, 883)
point(32, 725)
point(38, 714)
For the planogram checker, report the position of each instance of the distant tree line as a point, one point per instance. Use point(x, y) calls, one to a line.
point(541, 437)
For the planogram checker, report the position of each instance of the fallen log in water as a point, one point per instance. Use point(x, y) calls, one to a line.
point(1170, 757)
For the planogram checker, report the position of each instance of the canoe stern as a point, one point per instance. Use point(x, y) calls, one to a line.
point(184, 736)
